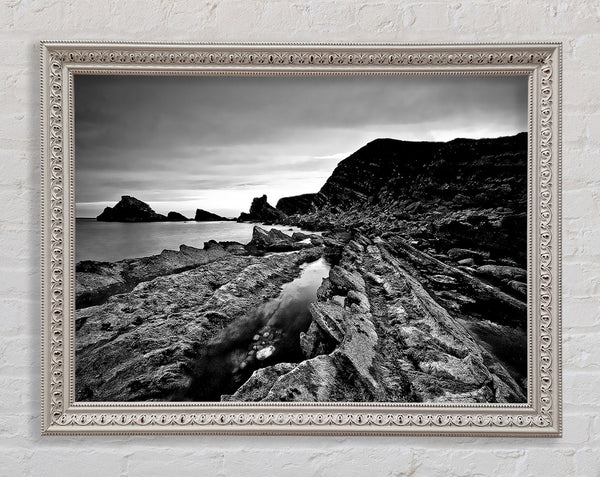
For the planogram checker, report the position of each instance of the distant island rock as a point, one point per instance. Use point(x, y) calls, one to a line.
point(205, 216)
point(262, 211)
point(130, 209)
point(176, 217)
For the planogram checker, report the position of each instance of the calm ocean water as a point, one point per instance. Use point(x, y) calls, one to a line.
point(110, 241)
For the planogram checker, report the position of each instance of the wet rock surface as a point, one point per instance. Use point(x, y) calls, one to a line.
point(143, 345)
point(380, 334)
point(428, 300)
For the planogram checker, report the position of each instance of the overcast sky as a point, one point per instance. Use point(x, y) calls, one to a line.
point(186, 142)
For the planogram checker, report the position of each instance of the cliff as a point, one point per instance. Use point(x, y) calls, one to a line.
point(300, 204)
point(463, 193)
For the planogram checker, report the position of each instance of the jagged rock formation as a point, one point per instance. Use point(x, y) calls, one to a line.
point(262, 211)
point(425, 300)
point(381, 334)
point(96, 281)
point(205, 216)
point(142, 344)
point(272, 241)
point(428, 303)
point(176, 217)
point(130, 209)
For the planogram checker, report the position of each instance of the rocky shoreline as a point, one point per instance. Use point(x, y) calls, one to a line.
point(380, 335)
point(390, 324)
point(425, 300)
point(142, 344)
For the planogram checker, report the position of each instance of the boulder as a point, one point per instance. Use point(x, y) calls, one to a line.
point(458, 254)
point(346, 280)
point(298, 236)
point(96, 282)
point(503, 272)
point(273, 240)
point(235, 248)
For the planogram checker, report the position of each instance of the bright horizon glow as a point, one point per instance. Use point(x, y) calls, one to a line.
point(217, 201)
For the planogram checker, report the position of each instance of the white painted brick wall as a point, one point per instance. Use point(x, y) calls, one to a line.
point(24, 22)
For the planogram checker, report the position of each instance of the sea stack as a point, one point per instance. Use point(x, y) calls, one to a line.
point(130, 209)
point(262, 211)
point(176, 217)
point(205, 216)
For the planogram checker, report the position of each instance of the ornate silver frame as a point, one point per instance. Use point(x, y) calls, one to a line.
point(540, 416)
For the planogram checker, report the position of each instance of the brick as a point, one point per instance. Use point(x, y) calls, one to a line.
point(15, 463)
point(580, 312)
point(587, 462)
point(465, 461)
point(584, 200)
point(579, 351)
point(580, 278)
point(593, 128)
point(581, 389)
point(25, 23)
point(488, 16)
point(576, 428)
point(547, 461)
point(38, 16)
point(18, 356)
point(432, 16)
point(161, 461)
point(379, 16)
point(76, 461)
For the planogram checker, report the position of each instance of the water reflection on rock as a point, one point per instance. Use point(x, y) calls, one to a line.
point(268, 336)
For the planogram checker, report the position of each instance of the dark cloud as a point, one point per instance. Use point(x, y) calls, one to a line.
point(161, 137)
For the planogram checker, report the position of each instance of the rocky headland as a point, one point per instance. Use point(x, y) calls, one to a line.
point(425, 300)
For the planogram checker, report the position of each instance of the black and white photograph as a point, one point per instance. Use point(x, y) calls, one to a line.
point(301, 238)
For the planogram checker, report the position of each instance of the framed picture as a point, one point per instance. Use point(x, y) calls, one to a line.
point(301, 239)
